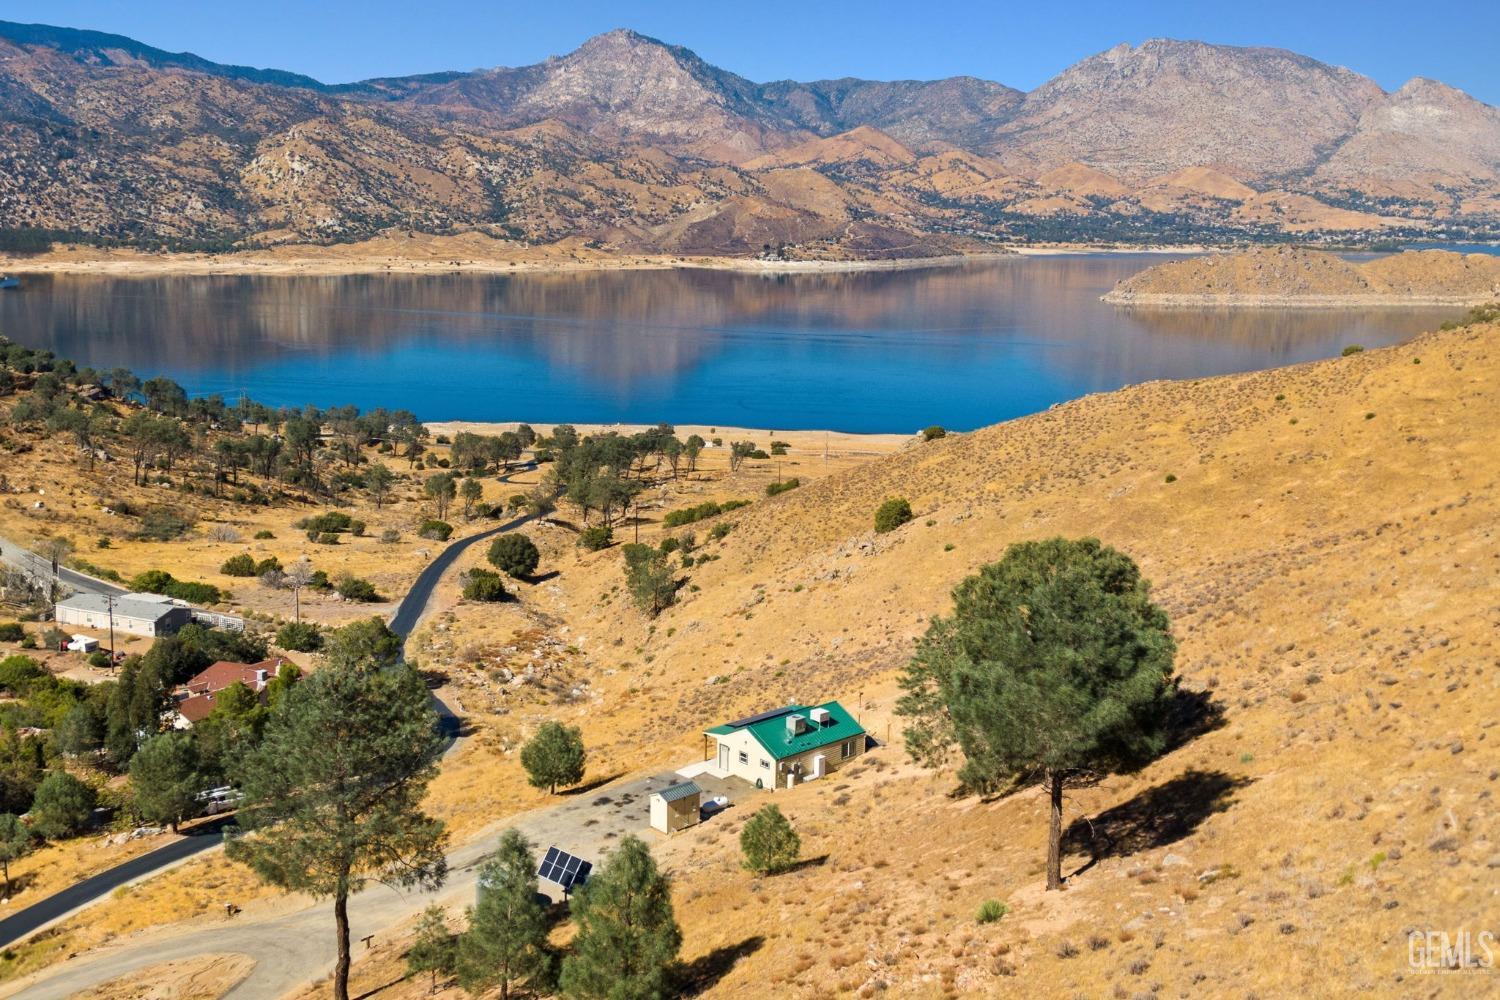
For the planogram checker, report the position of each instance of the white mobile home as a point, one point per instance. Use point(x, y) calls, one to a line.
point(132, 614)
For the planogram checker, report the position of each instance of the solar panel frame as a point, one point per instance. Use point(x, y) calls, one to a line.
point(563, 869)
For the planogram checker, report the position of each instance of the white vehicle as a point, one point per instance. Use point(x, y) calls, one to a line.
point(715, 805)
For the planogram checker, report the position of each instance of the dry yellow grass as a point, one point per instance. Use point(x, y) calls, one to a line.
point(1326, 546)
point(205, 978)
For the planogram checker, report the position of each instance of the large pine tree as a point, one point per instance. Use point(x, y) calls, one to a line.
point(333, 793)
point(1054, 665)
point(506, 942)
point(627, 934)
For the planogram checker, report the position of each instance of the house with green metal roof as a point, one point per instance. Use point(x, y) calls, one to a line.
point(780, 748)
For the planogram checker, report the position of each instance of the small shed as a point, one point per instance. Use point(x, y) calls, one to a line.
point(675, 807)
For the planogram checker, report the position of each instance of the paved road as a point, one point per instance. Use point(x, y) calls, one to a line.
point(40, 568)
point(80, 894)
point(292, 948)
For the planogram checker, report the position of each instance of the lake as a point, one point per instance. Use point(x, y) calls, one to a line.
point(961, 346)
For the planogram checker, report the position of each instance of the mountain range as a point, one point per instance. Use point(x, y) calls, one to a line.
point(633, 144)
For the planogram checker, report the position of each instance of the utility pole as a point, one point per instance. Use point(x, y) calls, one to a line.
point(109, 602)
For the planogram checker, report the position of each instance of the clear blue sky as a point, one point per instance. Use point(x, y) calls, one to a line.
point(1022, 44)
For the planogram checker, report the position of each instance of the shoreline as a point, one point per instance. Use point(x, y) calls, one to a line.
point(1204, 301)
point(814, 439)
point(350, 260)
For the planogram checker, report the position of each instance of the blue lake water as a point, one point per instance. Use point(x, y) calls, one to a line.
point(868, 351)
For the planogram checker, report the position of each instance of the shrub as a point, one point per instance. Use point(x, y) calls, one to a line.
point(933, 433)
point(333, 520)
point(303, 637)
point(768, 842)
point(718, 531)
point(319, 580)
point(515, 554)
point(98, 659)
point(1171, 478)
point(12, 632)
point(483, 585)
point(353, 588)
point(649, 579)
point(776, 489)
point(263, 535)
point(596, 538)
point(437, 531)
point(357, 529)
point(157, 581)
point(669, 545)
point(779, 447)
point(269, 564)
point(758, 453)
point(240, 565)
point(1353, 349)
point(990, 911)
point(323, 537)
point(163, 524)
point(390, 536)
point(892, 514)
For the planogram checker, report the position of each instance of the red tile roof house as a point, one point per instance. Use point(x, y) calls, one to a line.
point(195, 699)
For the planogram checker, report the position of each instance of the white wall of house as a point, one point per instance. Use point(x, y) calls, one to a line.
point(741, 755)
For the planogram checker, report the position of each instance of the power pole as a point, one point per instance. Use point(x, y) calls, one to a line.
point(109, 602)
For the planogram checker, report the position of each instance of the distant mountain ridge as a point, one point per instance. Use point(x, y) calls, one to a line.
point(633, 142)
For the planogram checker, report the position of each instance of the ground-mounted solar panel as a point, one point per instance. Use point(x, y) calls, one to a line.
point(564, 869)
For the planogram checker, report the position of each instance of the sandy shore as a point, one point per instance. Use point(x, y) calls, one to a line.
point(1164, 301)
point(466, 255)
point(837, 442)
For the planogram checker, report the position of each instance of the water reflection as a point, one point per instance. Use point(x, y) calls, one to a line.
point(885, 350)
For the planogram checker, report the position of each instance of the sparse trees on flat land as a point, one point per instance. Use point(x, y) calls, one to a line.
point(440, 489)
point(1054, 664)
point(554, 756)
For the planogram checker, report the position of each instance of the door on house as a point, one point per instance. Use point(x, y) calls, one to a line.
point(723, 758)
point(820, 766)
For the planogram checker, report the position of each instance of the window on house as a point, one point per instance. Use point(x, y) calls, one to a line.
point(744, 757)
point(765, 763)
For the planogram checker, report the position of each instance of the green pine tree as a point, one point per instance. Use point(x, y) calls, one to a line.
point(1055, 664)
point(627, 937)
point(164, 778)
point(434, 948)
point(15, 843)
point(768, 841)
point(333, 793)
point(506, 942)
point(554, 756)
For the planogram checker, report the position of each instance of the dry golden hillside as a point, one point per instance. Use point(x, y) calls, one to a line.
point(1284, 276)
point(1327, 548)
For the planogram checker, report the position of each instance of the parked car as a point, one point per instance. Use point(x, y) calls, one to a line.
point(713, 806)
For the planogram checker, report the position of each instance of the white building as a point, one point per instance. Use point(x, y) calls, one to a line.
point(133, 614)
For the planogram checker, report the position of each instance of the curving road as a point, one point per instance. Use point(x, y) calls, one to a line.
point(408, 613)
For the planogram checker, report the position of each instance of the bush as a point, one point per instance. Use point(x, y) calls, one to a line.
point(63, 806)
point(483, 585)
point(357, 529)
point(98, 659)
point(779, 447)
point(333, 520)
point(436, 530)
point(390, 536)
point(12, 632)
point(933, 433)
point(323, 537)
point(758, 453)
point(303, 637)
point(776, 489)
point(163, 524)
point(596, 538)
point(515, 554)
point(352, 588)
point(687, 515)
point(320, 581)
point(263, 535)
point(240, 565)
point(1353, 349)
point(158, 581)
point(17, 672)
point(719, 530)
point(891, 515)
point(769, 843)
point(990, 911)
point(267, 565)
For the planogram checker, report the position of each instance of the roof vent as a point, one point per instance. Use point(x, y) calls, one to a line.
point(820, 717)
point(796, 725)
